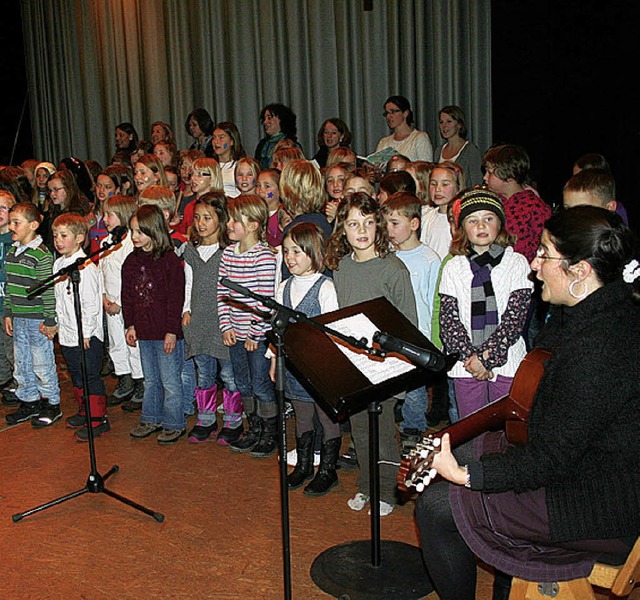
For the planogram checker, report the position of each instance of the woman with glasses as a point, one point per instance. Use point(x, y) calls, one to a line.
point(404, 139)
point(547, 509)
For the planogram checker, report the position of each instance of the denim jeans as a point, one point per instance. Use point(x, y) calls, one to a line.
point(207, 368)
point(251, 373)
point(188, 377)
point(414, 409)
point(6, 356)
point(163, 399)
point(35, 363)
point(93, 362)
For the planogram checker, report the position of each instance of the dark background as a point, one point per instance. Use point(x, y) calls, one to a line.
point(565, 82)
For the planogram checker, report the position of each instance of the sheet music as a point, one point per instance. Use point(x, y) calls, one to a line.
point(376, 371)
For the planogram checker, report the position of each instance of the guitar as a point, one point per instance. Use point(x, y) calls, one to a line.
point(512, 411)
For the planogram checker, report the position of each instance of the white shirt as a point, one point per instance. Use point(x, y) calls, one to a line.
point(111, 268)
point(205, 252)
point(435, 231)
point(90, 301)
point(417, 146)
point(229, 179)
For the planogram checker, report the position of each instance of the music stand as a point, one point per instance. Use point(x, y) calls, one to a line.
point(342, 389)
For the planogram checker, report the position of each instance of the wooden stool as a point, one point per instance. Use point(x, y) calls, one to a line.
point(620, 580)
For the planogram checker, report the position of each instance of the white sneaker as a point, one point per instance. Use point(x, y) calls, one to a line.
point(358, 502)
point(292, 458)
point(385, 508)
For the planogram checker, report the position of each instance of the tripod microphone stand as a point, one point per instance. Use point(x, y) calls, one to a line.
point(95, 481)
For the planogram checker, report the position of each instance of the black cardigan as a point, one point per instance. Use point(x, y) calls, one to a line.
point(584, 426)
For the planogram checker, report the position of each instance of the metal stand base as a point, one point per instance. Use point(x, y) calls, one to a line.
point(346, 572)
point(95, 485)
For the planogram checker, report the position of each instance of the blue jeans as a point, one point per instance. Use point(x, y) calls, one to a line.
point(163, 400)
point(188, 377)
point(207, 367)
point(414, 409)
point(35, 363)
point(251, 374)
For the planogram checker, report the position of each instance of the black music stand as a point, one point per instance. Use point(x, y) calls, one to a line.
point(394, 570)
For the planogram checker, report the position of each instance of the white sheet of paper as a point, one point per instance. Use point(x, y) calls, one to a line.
point(359, 326)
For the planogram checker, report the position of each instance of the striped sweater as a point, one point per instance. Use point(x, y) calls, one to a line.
point(24, 270)
point(254, 269)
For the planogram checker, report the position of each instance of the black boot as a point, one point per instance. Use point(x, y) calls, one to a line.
point(326, 477)
point(266, 445)
point(250, 437)
point(304, 463)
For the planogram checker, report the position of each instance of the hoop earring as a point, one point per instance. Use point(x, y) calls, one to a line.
point(573, 293)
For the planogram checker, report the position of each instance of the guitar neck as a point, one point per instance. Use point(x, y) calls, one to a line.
point(490, 417)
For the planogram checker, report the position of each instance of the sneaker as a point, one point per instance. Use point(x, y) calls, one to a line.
point(203, 433)
point(48, 416)
point(131, 406)
point(289, 413)
point(170, 436)
point(82, 435)
point(349, 460)
point(358, 502)
point(292, 458)
point(26, 412)
point(75, 421)
point(9, 397)
point(385, 508)
point(124, 389)
point(145, 430)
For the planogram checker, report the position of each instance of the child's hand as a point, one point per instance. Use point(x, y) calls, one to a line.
point(8, 326)
point(250, 345)
point(113, 308)
point(186, 319)
point(48, 332)
point(169, 343)
point(229, 338)
point(87, 343)
point(272, 370)
point(131, 336)
point(330, 210)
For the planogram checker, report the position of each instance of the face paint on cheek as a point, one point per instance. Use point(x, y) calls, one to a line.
point(270, 195)
point(225, 146)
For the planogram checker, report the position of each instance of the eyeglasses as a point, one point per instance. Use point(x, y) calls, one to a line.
point(391, 111)
point(542, 256)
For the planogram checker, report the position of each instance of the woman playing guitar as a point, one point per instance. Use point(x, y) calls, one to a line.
point(570, 493)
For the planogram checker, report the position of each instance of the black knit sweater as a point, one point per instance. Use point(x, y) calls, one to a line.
point(584, 426)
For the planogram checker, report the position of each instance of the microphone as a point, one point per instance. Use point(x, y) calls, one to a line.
point(118, 233)
point(236, 287)
point(422, 357)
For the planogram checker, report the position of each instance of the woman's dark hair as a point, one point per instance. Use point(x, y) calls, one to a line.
point(129, 129)
point(203, 119)
point(597, 236)
point(287, 119)
point(403, 104)
point(341, 126)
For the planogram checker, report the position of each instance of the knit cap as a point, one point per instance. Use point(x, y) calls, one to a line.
point(47, 166)
point(477, 198)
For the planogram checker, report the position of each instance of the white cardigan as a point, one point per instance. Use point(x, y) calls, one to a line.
point(511, 274)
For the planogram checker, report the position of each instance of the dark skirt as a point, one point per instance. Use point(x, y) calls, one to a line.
point(511, 531)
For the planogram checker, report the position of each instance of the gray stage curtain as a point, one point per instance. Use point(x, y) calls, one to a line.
point(95, 63)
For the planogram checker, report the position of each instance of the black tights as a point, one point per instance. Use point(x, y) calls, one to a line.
point(450, 562)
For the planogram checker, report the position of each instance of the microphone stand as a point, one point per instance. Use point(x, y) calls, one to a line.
point(95, 481)
point(280, 318)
